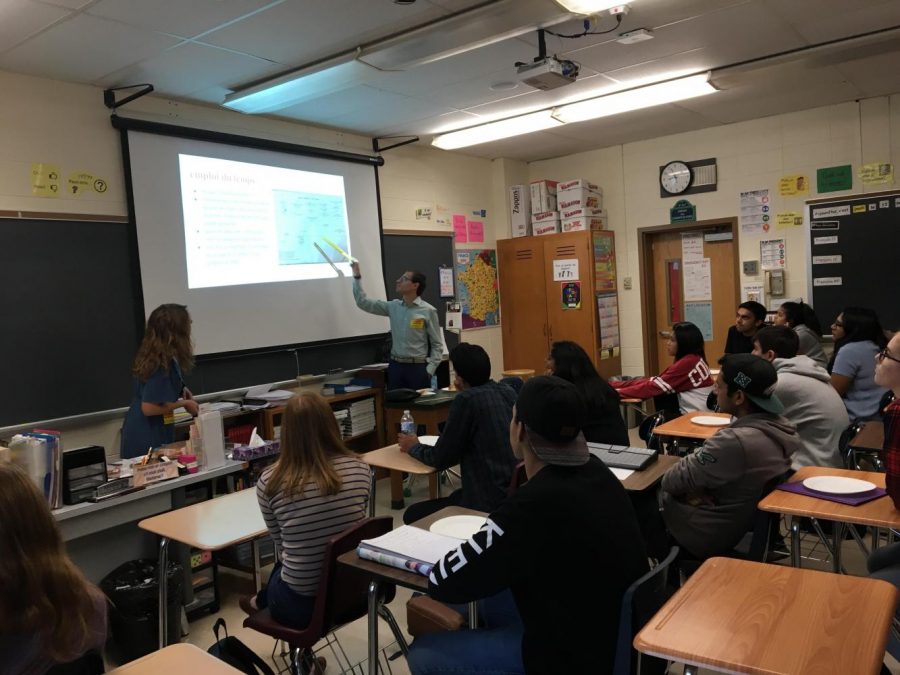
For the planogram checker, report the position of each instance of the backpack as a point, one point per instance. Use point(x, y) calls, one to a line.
point(236, 654)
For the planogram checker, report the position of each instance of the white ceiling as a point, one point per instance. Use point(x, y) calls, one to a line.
point(202, 50)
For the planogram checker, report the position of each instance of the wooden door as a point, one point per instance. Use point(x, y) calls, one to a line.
point(523, 301)
point(663, 289)
point(567, 323)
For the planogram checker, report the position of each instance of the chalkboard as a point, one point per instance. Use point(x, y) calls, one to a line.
point(70, 320)
point(426, 253)
point(854, 245)
point(73, 318)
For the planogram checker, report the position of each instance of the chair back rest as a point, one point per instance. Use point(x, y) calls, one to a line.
point(343, 590)
point(764, 522)
point(640, 602)
point(518, 479)
point(844, 448)
point(645, 430)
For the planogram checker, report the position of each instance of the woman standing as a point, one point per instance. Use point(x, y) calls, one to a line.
point(604, 421)
point(316, 490)
point(858, 338)
point(49, 613)
point(800, 317)
point(688, 376)
point(165, 353)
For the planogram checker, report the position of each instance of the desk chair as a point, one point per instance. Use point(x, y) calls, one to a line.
point(641, 601)
point(342, 598)
point(645, 430)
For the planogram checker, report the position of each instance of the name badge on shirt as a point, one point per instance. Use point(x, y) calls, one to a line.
point(417, 323)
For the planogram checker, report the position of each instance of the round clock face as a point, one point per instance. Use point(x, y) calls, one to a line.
point(675, 177)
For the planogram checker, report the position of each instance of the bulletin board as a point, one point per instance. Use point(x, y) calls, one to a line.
point(853, 254)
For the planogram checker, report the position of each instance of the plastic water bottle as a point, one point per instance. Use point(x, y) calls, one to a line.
point(407, 424)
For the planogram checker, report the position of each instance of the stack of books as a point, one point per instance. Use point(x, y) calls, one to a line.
point(356, 418)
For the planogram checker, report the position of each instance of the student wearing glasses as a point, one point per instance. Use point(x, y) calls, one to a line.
point(415, 330)
point(858, 338)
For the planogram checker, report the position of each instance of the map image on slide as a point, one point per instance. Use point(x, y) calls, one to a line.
point(303, 219)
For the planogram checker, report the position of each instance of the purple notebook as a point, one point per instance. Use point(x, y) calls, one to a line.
point(850, 500)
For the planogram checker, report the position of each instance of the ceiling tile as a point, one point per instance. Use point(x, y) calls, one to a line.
point(191, 67)
point(822, 20)
point(84, 49)
point(295, 33)
point(177, 17)
point(19, 19)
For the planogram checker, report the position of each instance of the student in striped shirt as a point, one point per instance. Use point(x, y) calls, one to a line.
point(316, 490)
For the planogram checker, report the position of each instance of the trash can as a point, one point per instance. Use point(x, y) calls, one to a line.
point(133, 591)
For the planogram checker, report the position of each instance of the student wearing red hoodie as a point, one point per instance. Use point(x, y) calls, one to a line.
point(688, 377)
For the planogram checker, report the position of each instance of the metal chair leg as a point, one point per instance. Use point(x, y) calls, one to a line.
point(388, 616)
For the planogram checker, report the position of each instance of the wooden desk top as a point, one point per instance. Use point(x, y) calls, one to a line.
point(682, 427)
point(391, 457)
point(641, 480)
point(212, 525)
point(334, 398)
point(395, 575)
point(752, 617)
point(870, 437)
point(878, 513)
point(180, 659)
point(439, 399)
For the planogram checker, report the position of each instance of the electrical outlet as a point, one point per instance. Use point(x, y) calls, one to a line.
point(626, 283)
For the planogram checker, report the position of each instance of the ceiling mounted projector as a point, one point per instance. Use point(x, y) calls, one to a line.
point(548, 73)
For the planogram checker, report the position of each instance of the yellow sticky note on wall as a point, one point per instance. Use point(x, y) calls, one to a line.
point(788, 186)
point(877, 173)
point(44, 180)
point(790, 219)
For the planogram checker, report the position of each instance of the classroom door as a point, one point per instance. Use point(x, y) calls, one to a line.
point(671, 295)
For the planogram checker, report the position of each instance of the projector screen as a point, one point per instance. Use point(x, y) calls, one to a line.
point(254, 241)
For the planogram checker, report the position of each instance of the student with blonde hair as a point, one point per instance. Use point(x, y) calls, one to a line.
point(164, 354)
point(49, 613)
point(316, 490)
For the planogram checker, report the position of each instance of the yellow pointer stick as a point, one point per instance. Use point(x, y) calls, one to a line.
point(328, 260)
point(339, 250)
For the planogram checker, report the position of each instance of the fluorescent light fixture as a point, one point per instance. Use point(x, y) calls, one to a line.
point(589, 6)
point(635, 99)
point(494, 131)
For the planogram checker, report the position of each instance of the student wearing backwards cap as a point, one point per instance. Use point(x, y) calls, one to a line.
point(709, 498)
point(566, 544)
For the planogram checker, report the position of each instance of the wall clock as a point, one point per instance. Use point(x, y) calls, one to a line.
point(675, 178)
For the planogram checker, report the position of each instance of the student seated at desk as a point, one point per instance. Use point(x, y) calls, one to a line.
point(801, 318)
point(604, 419)
point(165, 352)
point(858, 339)
point(475, 436)
point(566, 544)
point(709, 498)
point(749, 318)
point(810, 402)
point(688, 376)
point(317, 489)
point(49, 613)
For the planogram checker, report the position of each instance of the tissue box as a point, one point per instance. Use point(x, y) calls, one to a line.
point(579, 198)
point(584, 223)
point(520, 210)
point(546, 227)
point(543, 195)
point(244, 453)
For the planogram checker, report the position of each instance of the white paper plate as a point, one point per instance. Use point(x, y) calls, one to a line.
point(711, 421)
point(838, 485)
point(425, 392)
point(428, 440)
point(461, 527)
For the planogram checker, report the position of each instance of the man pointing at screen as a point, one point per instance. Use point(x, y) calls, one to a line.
point(415, 330)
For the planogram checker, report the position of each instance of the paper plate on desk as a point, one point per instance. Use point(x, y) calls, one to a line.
point(428, 440)
point(711, 421)
point(461, 527)
point(838, 485)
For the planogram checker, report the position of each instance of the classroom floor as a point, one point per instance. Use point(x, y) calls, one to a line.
point(353, 637)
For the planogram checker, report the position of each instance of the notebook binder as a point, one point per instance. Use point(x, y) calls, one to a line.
point(623, 456)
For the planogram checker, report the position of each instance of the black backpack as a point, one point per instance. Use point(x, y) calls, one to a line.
point(236, 654)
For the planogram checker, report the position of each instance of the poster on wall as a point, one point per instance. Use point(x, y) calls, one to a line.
point(691, 246)
point(772, 254)
point(608, 315)
point(477, 288)
point(700, 314)
point(697, 280)
point(604, 261)
point(571, 294)
point(755, 214)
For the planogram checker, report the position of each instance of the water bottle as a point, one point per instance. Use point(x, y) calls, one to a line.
point(407, 424)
